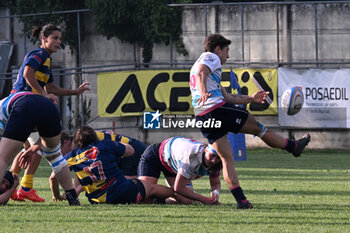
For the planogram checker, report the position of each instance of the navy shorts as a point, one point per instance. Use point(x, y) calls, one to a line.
point(134, 193)
point(150, 164)
point(232, 120)
point(129, 164)
point(28, 112)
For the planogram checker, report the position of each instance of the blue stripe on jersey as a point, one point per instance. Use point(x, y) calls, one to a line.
point(194, 104)
point(215, 77)
point(173, 164)
point(215, 93)
point(5, 105)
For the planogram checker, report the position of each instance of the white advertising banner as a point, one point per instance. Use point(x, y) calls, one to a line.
point(326, 97)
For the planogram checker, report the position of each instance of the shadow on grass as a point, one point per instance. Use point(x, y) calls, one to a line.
point(284, 192)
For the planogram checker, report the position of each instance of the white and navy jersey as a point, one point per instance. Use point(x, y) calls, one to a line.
point(184, 156)
point(212, 61)
point(5, 108)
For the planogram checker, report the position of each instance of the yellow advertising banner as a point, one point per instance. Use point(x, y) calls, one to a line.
point(130, 93)
point(253, 80)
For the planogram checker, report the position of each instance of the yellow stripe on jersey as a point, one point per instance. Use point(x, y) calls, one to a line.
point(77, 159)
point(47, 62)
point(100, 135)
point(41, 76)
point(101, 199)
point(125, 140)
point(82, 174)
point(93, 186)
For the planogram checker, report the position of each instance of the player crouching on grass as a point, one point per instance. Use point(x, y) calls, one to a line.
point(95, 165)
point(182, 160)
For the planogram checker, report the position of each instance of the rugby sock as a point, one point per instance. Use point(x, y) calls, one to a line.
point(27, 182)
point(72, 197)
point(237, 192)
point(290, 145)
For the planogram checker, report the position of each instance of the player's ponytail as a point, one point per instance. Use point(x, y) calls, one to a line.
point(36, 32)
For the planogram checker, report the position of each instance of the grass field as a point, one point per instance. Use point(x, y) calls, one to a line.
point(307, 194)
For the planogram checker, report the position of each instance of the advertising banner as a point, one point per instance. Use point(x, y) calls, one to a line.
point(326, 95)
point(131, 93)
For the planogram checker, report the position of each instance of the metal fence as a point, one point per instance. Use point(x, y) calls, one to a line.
point(171, 63)
point(206, 6)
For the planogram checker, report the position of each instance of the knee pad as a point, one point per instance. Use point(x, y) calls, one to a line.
point(58, 163)
point(263, 129)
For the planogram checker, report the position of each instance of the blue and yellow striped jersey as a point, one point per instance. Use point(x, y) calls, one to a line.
point(97, 170)
point(40, 61)
point(114, 137)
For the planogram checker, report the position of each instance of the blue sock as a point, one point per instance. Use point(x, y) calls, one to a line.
point(25, 189)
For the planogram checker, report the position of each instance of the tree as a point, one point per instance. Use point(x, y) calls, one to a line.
point(143, 22)
point(65, 21)
point(69, 37)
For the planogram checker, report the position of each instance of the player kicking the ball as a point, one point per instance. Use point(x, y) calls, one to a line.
point(210, 100)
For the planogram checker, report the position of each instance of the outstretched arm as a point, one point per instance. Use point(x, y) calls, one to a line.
point(180, 188)
point(52, 88)
point(55, 188)
point(258, 97)
point(215, 187)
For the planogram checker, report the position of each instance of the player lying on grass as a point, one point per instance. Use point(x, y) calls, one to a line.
point(95, 165)
point(127, 164)
point(20, 114)
point(182, 160)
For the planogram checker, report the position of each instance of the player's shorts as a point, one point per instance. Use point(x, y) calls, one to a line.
point(232, 120)
point(150, 164)
point(28, 112)
point(134, 193)
point(129, 164)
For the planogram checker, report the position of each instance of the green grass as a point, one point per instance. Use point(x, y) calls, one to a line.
point(306, 194)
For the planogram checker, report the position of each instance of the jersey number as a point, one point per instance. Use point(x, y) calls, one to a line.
point(95, 171)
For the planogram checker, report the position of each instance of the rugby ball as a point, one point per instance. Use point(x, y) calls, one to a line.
point(292, 100)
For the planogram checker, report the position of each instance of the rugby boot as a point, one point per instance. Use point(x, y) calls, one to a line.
point(244, 205)
point(30, 195)
point(301, 144)
point(15, 196)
